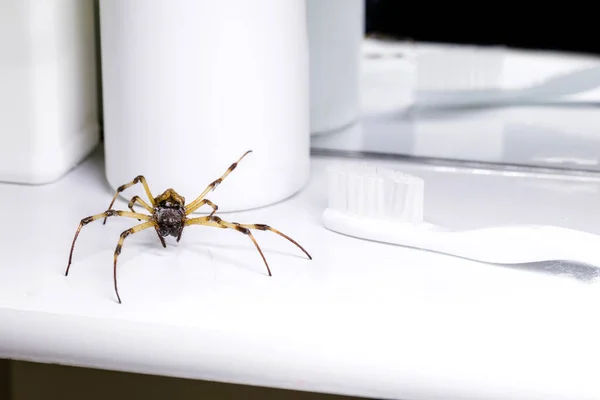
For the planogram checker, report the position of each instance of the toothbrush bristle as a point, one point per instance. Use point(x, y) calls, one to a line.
point(375, 192)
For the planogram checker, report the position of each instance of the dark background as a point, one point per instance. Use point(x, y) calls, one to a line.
point(566, 26)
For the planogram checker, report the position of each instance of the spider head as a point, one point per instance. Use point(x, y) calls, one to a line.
point(170, 198)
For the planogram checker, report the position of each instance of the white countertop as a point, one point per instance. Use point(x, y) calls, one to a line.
point(361, 318)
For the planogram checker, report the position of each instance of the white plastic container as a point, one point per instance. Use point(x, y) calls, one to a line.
point(336, 31)
point(190, 85)
point(48, 90)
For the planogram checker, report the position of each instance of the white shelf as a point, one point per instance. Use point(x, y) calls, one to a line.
point(361, 318)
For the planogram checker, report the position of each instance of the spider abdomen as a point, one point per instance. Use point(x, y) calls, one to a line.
point(170, 220)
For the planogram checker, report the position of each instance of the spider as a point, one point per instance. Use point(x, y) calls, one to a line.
point(168, 216)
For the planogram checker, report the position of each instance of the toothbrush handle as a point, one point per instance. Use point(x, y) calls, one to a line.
point(498, 245)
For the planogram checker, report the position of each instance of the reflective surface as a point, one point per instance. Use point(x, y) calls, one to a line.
point(562, 134)
point(563, 138)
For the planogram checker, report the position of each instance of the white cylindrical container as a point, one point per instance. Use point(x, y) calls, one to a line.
point(336, 31)
point(48, 88)
point(190, 85)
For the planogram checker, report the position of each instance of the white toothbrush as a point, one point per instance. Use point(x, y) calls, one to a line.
point(384, 205)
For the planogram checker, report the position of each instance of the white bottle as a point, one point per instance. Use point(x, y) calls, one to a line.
point(336, 31)
point(190, 85)
point(48, 89)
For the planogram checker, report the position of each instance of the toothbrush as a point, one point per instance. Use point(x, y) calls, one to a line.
point(384, 205)
point(467, 76)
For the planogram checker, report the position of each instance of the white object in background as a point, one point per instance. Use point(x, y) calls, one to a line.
point(474, 75)
point(336, 31)
point(48, 90)
point(191, 85)
point(384, 205)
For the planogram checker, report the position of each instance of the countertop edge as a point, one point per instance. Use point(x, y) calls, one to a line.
point(40, 337)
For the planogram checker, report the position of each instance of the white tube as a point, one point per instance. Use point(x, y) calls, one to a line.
point(190, 85)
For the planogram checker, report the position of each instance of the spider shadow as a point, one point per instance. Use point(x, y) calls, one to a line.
point(265, 250)
point(204, 248)
point(173, 249)
point(105, 238)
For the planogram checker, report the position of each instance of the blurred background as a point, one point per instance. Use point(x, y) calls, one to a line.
point(485, 85)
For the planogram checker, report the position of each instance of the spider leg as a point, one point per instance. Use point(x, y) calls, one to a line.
point(162, 239)
point(137, 199)
point(126, 233)
point(203, 202)
point(109, 213)
point(194, 205)
point(263, 227)
point(137, 179)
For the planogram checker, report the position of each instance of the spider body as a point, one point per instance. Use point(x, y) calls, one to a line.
point(170, 220)
point(168, 215)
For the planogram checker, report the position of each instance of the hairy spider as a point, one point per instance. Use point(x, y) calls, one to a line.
point(168, 216)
